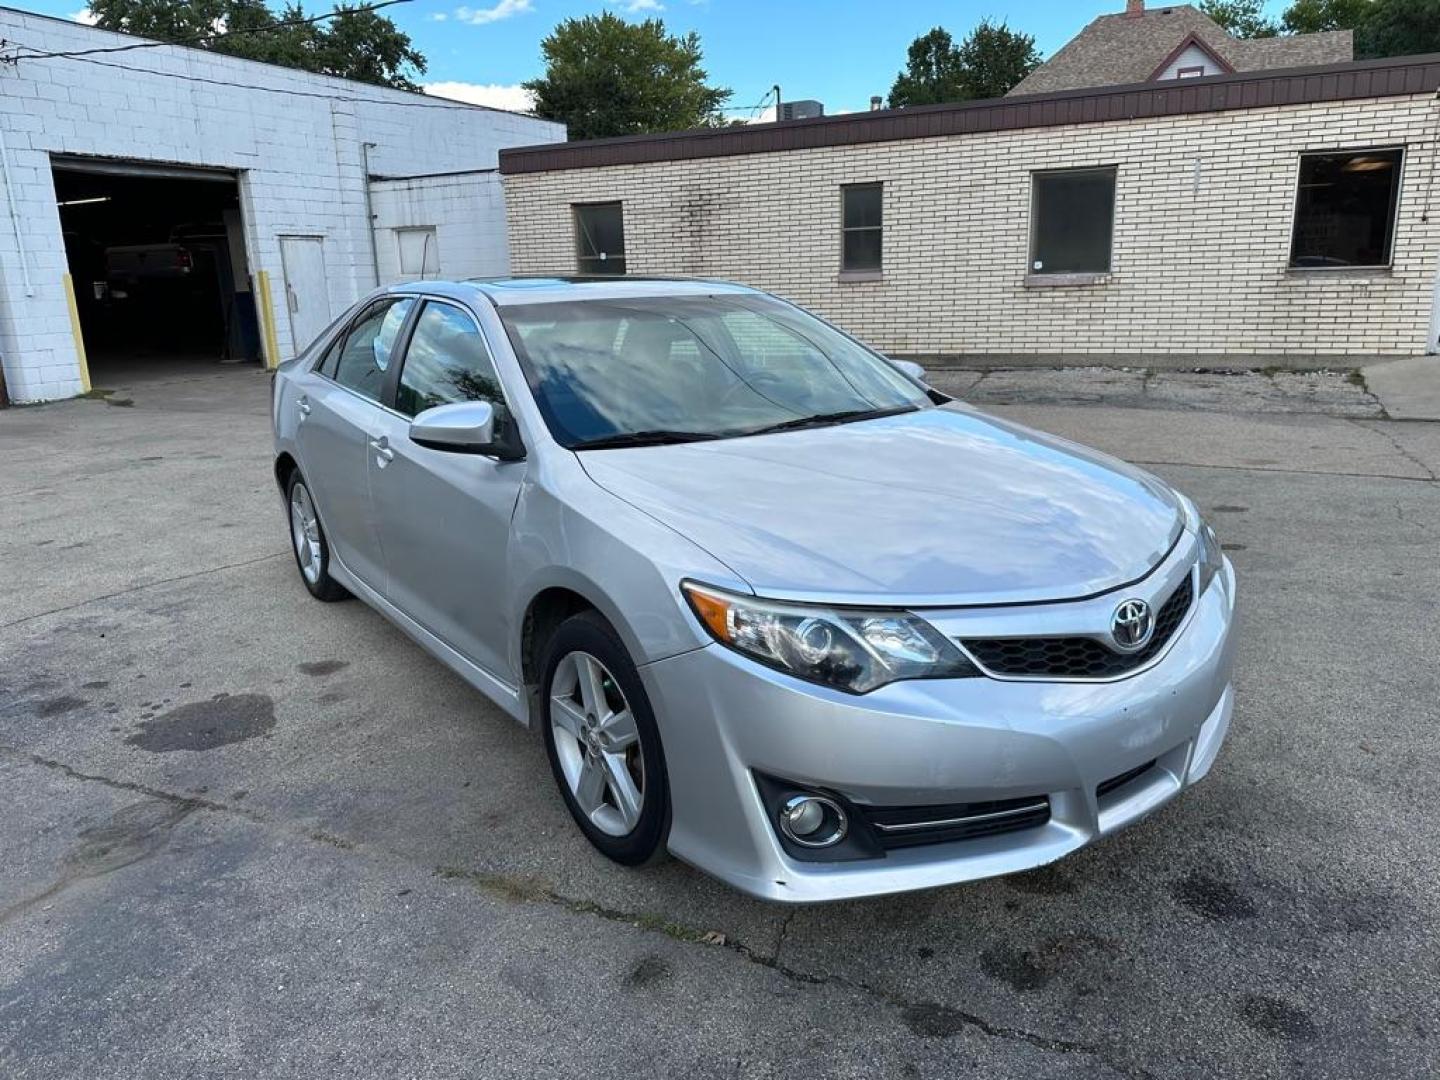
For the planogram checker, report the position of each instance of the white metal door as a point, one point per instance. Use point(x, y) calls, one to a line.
point(307, 294)
point(1433, 345)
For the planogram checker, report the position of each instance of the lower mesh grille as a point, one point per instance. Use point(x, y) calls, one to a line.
point(1079, 657)
point(910, 826)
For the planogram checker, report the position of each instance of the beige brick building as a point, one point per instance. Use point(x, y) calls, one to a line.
point(1284, 214)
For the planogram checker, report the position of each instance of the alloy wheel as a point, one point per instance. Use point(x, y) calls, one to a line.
point(597, 743)
point(305, 532)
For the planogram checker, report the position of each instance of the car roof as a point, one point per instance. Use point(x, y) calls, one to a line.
point(503, 291)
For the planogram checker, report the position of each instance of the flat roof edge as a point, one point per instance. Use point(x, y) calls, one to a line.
point(1391, 77)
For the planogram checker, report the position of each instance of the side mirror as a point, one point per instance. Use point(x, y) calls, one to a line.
point(909, 367)
point(464, 427)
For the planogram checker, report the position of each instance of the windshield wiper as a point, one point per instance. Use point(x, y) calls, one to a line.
point(823, 419)
point(644, 438)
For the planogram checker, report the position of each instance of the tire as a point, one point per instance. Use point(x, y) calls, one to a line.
point(583, 742)
point(308, 543)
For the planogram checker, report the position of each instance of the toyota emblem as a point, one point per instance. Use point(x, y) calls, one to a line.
point(1132, 625)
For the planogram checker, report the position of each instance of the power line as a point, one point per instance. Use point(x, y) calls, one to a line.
point(199, 39)
point(286, 91)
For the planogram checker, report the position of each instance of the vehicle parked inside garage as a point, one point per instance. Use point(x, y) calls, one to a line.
point(775, 605)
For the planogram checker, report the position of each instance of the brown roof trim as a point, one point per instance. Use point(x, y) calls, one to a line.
point(1214, 93)
point(1199, 43)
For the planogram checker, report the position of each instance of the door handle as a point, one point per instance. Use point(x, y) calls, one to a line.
point(383, 454)
point(303, 405)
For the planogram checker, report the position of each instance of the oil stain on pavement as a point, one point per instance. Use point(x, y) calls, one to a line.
point(205, 725)
point(132, 833)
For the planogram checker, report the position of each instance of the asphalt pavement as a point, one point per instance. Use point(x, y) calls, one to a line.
point(247, 834)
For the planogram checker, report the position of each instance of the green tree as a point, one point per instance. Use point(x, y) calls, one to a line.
point(933, 73)
point(355, 44)
point(995, 58)
point(1243, 18)
point(1399, 28)
point(605, 76)
point(987, 64)
point(1318, 16)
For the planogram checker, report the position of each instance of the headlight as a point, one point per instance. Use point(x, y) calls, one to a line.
point(853, 649)
point(1211, 557)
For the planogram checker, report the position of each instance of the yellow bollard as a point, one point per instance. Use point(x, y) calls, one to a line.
point(79, 336)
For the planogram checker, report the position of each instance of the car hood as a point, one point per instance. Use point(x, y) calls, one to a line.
point(939, 507)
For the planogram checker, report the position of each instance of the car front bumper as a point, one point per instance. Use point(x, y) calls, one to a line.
point(724, 718)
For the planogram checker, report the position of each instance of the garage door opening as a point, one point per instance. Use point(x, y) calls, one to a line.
point(157, 257)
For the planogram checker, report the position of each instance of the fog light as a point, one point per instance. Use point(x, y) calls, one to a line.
point(813, 821)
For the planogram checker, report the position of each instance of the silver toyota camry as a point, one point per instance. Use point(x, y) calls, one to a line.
point(774, 605)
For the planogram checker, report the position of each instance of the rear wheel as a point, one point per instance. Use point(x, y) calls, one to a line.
point(312, 551)
point(603, 744)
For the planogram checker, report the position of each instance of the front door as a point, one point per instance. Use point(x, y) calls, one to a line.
point(444, 518)
point(307, 293)
point(340, 416)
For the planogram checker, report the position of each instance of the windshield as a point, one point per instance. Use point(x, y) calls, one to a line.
point(675, 369)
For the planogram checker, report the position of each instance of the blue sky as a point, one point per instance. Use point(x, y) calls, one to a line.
point(838, 51)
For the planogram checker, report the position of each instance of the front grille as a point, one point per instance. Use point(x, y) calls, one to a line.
point(1079, 657)
point(1124, 778)
point(910, 826)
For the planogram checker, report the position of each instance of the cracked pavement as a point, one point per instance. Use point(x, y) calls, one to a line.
point(247, 834)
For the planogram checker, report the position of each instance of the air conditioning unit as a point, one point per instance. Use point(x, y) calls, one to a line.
point(801, 110)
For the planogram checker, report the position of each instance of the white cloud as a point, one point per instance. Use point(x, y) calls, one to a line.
point(438, 16)
point(86, 16)
point(635, 7)
point(502, 10)
point(514, 98)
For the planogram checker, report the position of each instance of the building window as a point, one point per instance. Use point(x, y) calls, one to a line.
point(1345, 209)
point(860, 227)
point(1072, 221)
point(1190, 73)
point(419, 252)
point(600, 238)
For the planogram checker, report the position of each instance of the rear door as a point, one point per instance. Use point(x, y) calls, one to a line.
point(444, 518)
point(340, 411)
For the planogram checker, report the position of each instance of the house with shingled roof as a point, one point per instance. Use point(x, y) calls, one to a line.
point(1178, 41)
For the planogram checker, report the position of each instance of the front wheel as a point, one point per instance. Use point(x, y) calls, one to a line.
point(602, 741)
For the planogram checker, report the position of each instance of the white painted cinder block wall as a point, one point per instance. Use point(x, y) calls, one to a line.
point(293, 138)
point(1204, 212)
point(467, 212)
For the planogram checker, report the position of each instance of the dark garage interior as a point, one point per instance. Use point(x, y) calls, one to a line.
point(158, 263)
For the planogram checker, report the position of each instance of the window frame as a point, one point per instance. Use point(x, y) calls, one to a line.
point(1071, 276)
point(1193, 72)
point(392, 385)
point(1392, 226)
point(431, 246)
point(862, 273)
point(578, 232)
point(402, 339)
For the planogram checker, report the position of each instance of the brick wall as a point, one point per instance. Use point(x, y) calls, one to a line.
point(294, 139)
point(1204, 208)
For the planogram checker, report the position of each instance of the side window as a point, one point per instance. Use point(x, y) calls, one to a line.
point(365, 356)
point(327, 363)
point(1345, 209)
point(446, 361)
point(1072, 221)
point(861, 226)
point(600, 238)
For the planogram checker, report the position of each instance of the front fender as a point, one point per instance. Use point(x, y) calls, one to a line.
point(570, 533)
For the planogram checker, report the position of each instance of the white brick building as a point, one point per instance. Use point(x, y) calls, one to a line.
point(155, 182)
point(1284, 214)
